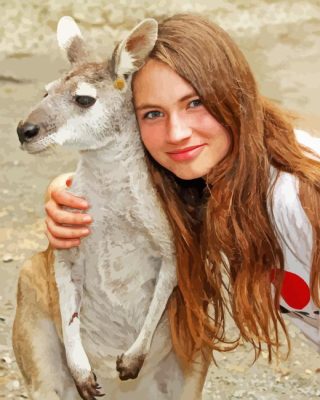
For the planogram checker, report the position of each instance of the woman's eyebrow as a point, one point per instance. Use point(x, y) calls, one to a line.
point(188, 96)
point(144, 106)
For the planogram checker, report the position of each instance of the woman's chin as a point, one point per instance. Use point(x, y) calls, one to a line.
point(186, 174)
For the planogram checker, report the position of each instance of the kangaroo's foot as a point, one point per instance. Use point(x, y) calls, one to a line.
point(88, 388)
point(129, 366)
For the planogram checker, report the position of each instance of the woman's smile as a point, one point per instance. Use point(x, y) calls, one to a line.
point(187, 153)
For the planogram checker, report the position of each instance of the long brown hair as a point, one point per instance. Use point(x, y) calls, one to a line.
point(221, 226)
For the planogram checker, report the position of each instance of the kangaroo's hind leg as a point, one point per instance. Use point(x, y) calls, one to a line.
point(36, 343)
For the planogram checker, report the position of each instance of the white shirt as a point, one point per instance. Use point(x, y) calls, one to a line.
point(295, 238)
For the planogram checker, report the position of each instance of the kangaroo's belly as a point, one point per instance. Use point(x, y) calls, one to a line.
point(104, 343)
point(119, 287)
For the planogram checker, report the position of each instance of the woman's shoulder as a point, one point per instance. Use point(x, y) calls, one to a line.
point(284, 185)
point(284, 195)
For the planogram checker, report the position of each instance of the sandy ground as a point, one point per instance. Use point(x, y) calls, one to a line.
point(282, 42)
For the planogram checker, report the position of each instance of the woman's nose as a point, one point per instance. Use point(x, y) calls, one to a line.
point(178, 130)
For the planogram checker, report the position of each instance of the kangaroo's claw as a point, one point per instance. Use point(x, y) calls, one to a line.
point(89, 389)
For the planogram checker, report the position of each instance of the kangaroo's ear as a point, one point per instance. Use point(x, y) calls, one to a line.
point(132, 52)
point(70, 40)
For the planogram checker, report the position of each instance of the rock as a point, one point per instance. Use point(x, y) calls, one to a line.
point(308, 371)
point(7, 258)
point(6, 360)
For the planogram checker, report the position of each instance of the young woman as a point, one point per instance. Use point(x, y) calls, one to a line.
point(242, 195)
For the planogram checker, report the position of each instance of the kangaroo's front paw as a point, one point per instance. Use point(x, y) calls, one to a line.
point(129, 366)
point(88, 388)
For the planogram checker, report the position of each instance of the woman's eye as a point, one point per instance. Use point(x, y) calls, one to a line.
point(85, 101)
point(195, 103)
point(152, 115)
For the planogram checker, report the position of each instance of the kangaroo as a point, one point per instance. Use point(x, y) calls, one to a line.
point(118, 282)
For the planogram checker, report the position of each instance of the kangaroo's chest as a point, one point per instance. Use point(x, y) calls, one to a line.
point(122, 258)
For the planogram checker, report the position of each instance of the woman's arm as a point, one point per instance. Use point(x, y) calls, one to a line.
point(295, 235)
point(65, 228)
point(292, 226)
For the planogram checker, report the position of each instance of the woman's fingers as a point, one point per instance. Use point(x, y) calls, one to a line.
point(66, 232)
point(61, 216)
point(62, 243)
point(65, 228)
point(64, 198)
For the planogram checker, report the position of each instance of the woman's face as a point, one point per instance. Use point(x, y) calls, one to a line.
point(177, 130)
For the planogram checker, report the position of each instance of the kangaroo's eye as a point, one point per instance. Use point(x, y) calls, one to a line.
point(85, 101)
point(46, 94)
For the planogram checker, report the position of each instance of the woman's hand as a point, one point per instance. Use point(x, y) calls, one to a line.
point(65, 228)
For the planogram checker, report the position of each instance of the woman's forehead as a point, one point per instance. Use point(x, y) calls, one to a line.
point(157, 82)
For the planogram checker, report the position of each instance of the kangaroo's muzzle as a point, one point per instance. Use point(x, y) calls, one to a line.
point(27, 131)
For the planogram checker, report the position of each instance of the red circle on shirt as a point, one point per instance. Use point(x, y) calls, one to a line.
point(295, 291)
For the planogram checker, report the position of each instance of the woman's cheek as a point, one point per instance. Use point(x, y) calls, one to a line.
point(147, 137)
point(151, 137)
point(205, 122)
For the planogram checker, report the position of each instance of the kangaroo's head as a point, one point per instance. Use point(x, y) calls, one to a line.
point(81, 108)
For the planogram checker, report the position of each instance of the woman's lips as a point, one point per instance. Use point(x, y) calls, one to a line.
point(186, 154)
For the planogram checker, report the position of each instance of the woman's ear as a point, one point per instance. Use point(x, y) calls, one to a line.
point(70, 40)
point(131, 53)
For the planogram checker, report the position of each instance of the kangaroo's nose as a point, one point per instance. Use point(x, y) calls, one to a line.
point(27, 131)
